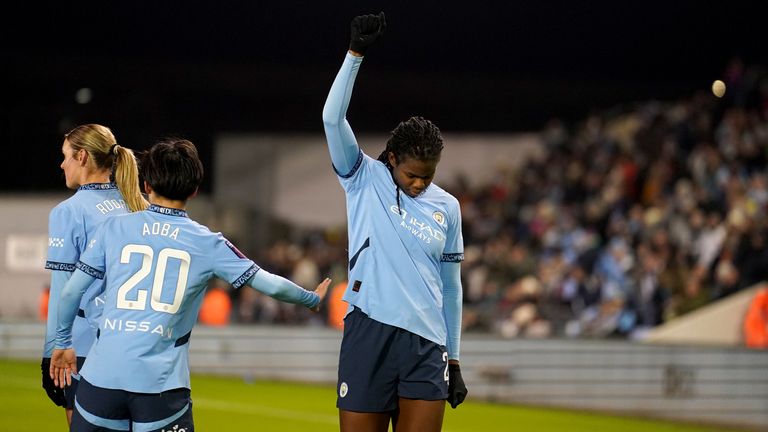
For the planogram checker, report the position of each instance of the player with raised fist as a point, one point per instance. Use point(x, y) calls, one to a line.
point(399, 357)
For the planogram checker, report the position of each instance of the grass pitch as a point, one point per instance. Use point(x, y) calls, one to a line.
point(230, 404)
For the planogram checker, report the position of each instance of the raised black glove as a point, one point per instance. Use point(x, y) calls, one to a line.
point(457, 391)
point(56, 394)
point(366, 29)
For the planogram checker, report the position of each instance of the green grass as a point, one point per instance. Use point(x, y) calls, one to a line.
point(224, 404)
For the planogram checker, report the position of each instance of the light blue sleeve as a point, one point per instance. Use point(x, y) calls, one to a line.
point(450, 274)
point(69, 303)
point(345, 152)
point(282, 289)
point(62, 255)
point(65, 237)
point(454, 241)
point(58, 280)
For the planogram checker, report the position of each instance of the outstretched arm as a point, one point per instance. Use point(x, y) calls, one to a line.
point(366, 30)
point(284, 290)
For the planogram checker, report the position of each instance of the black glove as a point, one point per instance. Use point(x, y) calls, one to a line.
point(457, 391)
point(56, 394)
point(366, 29)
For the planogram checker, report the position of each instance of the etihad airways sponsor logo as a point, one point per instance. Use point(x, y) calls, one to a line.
point(421, 230)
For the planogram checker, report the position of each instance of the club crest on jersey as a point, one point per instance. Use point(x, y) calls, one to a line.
point(439, 217)
point(343, 389)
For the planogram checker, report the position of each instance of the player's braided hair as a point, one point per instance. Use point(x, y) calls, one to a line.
point(417, 138)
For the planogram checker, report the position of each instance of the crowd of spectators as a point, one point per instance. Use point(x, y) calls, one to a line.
point(631, 217)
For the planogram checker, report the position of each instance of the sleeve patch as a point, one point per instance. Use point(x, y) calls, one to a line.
point(245, 277)
point(53, 265)
point(90, 271)
point(354, 169)
point(56, 242)
point(452, 257)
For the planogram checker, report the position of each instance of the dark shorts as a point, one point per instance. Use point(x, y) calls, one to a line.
point(69, 391)
point(379, 363)
point(101, 409)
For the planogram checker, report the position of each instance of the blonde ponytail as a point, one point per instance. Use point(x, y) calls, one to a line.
point(126, 174)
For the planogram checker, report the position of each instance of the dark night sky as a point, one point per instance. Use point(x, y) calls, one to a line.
point(196, 69)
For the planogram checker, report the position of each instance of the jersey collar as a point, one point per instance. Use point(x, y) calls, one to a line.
point(167, 210)
point(97, 186)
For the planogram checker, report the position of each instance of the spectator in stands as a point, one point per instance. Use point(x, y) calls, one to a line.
point(671, 178)
point(105, 177)
point(405, 248)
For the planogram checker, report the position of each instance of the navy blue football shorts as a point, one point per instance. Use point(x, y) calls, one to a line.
point(380, 363)
point(102, 409)
point(69, 391)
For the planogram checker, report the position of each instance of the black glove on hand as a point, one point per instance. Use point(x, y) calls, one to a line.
point(457, 391)
point(56, 394)
point(366, 29)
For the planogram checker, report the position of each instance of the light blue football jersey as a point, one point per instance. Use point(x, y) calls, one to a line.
point(158, 263)
point(395, 251)
point(70, 224)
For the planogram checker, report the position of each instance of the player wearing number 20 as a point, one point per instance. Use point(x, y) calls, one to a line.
point(157, 264)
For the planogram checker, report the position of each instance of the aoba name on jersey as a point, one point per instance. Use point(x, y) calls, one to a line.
point(160, 229)
point(107, 206)
point(136, 326)
point(423, 231)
